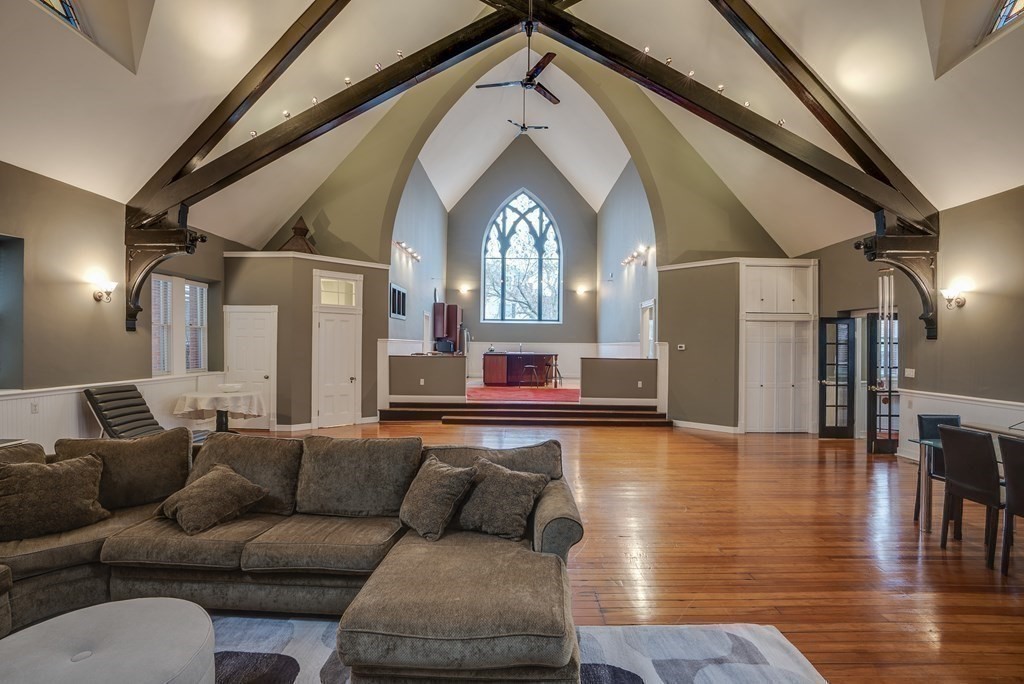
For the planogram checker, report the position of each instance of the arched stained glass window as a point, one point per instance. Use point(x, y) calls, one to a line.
point(522, 263)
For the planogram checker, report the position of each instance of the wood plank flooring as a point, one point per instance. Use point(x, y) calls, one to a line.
point(812, 536)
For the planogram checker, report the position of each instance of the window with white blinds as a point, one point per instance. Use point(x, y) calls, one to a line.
point(196, 333)
point(162, 316)
point(180, 316)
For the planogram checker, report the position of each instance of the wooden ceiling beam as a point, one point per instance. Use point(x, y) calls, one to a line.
point(329, 114)
point(767, 136)
point(826, 107)
point(242, 97)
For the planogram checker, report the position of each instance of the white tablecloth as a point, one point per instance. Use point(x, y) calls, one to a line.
point(199, 405)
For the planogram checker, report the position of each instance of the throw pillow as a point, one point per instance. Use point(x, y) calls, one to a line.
point(501, 500)
point(356, 478)
point(23, 453)
point(438, 489)
point(136, 471)
point(544, 458)
point(38, 499)
point(269, 462)
point(218, 496)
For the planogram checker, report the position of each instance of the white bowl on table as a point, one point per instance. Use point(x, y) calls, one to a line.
point(230, 387)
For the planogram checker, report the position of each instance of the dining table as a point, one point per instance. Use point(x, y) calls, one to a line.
point(924, 481)
point(202, 405)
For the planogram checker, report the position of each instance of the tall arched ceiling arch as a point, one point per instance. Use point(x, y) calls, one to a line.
point(696, 216)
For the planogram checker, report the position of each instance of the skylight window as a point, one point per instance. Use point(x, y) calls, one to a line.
point(1009, 11)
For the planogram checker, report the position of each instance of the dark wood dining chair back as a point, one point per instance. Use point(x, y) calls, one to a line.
point(928, 428)
point(972, 471)
point(1012, 450)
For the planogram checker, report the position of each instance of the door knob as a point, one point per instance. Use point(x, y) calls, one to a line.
point(266, 377)
point(352, 379)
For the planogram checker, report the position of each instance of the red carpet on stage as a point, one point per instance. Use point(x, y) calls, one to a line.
point(539, 394)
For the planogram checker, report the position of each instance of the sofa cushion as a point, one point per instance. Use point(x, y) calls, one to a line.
point(216, 497)
point(6, 579)
point(161, 542)
point(38, 499)
point(30, 557)
point(501, 500)
point(434, 496)
point(465, 601)
point(135, 471)
point(544, 458)
point(269, 462)
point(319, 543)
point(356, 477)
point(26, 452)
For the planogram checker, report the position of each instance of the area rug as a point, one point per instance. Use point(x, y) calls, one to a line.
point(539, 394)
point(261, 650)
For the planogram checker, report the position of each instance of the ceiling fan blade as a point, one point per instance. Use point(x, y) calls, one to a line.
point(517, 125)
point(538, 128)
point(546, 94)
point(539, 66)
point(506, 84)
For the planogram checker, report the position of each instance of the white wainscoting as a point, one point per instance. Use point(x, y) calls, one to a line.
point(62, 412)
point(620, 350)
point(993, 412)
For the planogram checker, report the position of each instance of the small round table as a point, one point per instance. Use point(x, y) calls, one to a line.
point(144, 641)
point(200, 405)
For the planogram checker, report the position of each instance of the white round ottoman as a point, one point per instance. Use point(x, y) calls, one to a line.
point(143, 641)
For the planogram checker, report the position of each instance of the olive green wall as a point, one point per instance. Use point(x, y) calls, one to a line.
point(623, 224)
point(619, 378)
point(442, 376)
point(287, 282)
point(68, 338)
point(702, 312)
point(523, 165)
point(977, 353)
point(422, 222)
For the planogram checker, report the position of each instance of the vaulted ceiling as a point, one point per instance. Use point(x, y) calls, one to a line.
point(942, 109)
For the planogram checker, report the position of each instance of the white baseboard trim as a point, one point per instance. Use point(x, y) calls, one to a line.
point(295, 428)
point(710, 427)
point(365, 420)
point(611, 401)
point(427, 399)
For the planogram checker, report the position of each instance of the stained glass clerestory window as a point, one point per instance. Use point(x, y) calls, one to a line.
point(522, 264)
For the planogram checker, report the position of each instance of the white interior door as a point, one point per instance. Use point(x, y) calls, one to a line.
point(337, 369)
point(250, 358)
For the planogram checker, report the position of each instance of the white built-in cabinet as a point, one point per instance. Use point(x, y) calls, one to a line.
point(778, 327)
point(778, 289)
point(778, 385)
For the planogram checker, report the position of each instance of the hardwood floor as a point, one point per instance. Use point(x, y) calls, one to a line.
point(812, 536)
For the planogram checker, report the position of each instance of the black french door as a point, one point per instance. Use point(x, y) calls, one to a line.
point(837, 375)
point(883, 385)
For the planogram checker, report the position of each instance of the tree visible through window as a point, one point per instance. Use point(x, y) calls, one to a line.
point(522, 264)
point(1009, 10)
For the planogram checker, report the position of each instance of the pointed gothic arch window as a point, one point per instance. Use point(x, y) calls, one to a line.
point(65, 10)
point(1007, 11)
point(522, 263)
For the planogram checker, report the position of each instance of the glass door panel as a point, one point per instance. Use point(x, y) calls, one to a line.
point(836, 377)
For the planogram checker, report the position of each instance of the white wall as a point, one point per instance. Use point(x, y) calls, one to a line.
point(46, 415)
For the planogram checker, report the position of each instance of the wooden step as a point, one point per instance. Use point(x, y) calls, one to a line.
point(521, 404)
point(512, 421)
point(407, 414)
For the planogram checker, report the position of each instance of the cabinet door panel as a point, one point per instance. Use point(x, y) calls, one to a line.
point(784, 289)
point(802, 286)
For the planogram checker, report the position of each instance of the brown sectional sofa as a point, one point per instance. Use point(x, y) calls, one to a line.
point(325, 538)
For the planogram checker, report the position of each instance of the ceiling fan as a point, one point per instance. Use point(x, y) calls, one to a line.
point(532, 73)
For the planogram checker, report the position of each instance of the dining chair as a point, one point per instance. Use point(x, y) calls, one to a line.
point(928, 428)
point(1012, 449)
point(972, 474)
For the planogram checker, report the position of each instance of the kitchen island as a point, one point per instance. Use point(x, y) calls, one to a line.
point(507, 368)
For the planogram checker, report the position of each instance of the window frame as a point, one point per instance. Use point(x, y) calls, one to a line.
point(166, 329)
point(1001, 7)
point(483, 266)
point(177, 329)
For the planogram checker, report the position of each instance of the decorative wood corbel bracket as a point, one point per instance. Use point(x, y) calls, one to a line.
point(149, 245)
point(911, 253)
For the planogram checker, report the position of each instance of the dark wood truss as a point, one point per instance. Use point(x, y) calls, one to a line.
point(906, 223)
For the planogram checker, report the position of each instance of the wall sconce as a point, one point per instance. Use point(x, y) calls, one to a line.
point(463, 289)
point(404, 246)
point(639, 254)
point(581, 291)
point(103, 291)
point(954, 298)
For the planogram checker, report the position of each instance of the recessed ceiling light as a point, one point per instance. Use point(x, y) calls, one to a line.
point(316, 101)
point(348, 81)
point(692, 72)
point(668, 60)
point(377, 67)
point(252, 134)
point(286, 114)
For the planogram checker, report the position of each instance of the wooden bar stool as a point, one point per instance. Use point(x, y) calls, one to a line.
point(531, 370)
